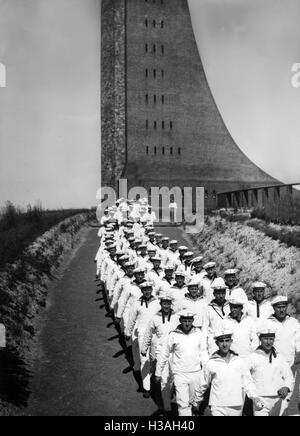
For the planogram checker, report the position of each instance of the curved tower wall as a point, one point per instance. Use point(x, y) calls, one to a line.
point(175, 135)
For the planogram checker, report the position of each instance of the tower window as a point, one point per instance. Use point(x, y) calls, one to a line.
point(155, 150)
point(154, 73)
point(171, 125)
point(171, 150)
point(154, 23)
point(162, 49)
point(206, 194)
point(179, 151)
point(147, 150)
point(162, 73)
point(146, 22)
point(147, 98)
point(154, 99)
point(147, 124)
point(162, 99)
point(162, 124)
point(146, 48)
point(146, 72)
point(155, 125)
point(163, 150)
point(154, 48)
point(162, 24)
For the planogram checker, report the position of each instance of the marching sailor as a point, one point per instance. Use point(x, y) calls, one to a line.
point(260, 308)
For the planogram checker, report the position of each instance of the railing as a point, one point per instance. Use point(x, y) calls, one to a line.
point(258, 196)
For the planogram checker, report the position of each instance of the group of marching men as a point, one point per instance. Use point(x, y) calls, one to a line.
point(190, 328)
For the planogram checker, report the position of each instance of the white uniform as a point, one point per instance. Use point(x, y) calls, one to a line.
point(208, 291)
point(287, 339)
point(130, 294)
point(118, 291)
point(245, 339)
point(186, 354)
point(178, 294)
point(228, 381)
point(215, 317)
point(237, 293)
point(260, 312)
point(140, 315)
point(155, 277)
point(268, 377)
point(157, 332)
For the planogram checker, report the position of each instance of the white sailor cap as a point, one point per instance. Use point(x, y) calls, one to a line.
point(169, 266)
point(236, 301)
point(165, 296)
point(223, 333)
point(139, 269)
point(186, 314)
point(218, 284)
point(156, 258)
point(146, 285)
point(180, 272)
point(231, 272)
point(159, 235)
point(129, 264)
point(151, 233)
point(143, 245)
point(183, 248)
point(193, 282)
point(266, 330)
point(197, 259)
point(188, 254)
point(173, 242)
point(209, 265)
point(165, 238)
point(259, 285)
point(279, 299)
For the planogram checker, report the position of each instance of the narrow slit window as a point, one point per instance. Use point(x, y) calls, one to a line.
point(162, 99)
point(154, 73)
point(154, 23)
point(146, 22)
point(163, 150)
point(147, 150)
point(155, 125)
point(154, 48)
point(155, 150)
point(147, 124)
point(179, 151)
point(154, 99)
point(146, 48)
point(162, 24)
point(162, 73)
point(171, 150)
point(146, 72)
point(162, 124)
point(171, 125)
point(162, 49)
point(147, 98)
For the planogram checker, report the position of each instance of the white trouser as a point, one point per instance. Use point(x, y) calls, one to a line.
point(226, 411)
point(185, 384)
point(136, 354)
point(166, 388)
point(269, 403)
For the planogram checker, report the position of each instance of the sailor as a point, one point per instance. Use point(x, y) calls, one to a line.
point(193, 301)
point(260, 308)
point(271, 374)
point(167, 280)
point(141, 313)
point(173, 253)
point(217, 311)
point(244, 338)
point(208, 279)
point(188, 257)
point(179, 289)
point(182, 250)
point(156, 333)
point(155, 273)
point(2, 336)
point(186, 352)
point(126, 280)
point(287, 329)
point(197, 271)
point(234, 288)
point(227, 376)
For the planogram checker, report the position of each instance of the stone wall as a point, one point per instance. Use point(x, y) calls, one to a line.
point(113, 131)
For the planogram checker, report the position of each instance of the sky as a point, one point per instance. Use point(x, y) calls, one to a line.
point(50, 108)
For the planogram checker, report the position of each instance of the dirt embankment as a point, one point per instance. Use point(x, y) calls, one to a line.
point(23, 296)
point(259, 257)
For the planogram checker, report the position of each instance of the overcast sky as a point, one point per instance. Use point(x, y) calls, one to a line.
point(49, 111)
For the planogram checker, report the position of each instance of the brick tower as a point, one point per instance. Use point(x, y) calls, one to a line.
point(160, 123)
